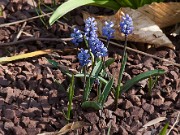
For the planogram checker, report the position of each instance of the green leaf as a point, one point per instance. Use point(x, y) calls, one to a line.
point(63, 69)
point(80, 75)
point(140, 77)
point(105, 92)
point(71, 94)
point(102, 80)
point(163, 131)
point(125, 3)
point(135, 3)
point(72, 4)
point(88, 88)
point(54, 63)
point(97, 68)
point(151, 83)
point(109, 62)
point(92, 104)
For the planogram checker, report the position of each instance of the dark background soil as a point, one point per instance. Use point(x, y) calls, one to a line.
point(33, 94)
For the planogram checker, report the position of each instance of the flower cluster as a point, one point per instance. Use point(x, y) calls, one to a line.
point(95, 45)
point(83, 57)
point(126, 25)
point(98, 49)
point(108, 31)
point(77, 36)
point(90, 29)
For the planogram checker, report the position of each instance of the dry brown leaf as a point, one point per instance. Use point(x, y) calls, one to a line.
point(26, 55)
point(72, 126)
point(145, 28)
point(154, 121)
point(163, 14)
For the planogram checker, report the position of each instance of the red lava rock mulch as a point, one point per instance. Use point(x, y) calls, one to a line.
point(33, 94)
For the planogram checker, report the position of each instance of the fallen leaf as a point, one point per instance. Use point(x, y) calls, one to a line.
point(154, 121)
point(147, 22)
point(163, 14)
point(72, 126)
point(48, 133)
point(26, 55)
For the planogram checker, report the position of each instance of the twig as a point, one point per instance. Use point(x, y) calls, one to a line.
point(177, 120)
point(24, 20)
point(34, 39)
point(143, 53)
point(32, 18)
point(27, 34)
point(20, 32)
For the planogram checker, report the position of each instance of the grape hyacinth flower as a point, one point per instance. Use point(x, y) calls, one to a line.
point(107, 30)
point(83, 57)
point(77, 36)
point(126, 25)
point(90, 29)
point(98, 49)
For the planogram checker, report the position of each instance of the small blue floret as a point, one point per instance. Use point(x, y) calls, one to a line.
point(77, 36)
point(83, 57)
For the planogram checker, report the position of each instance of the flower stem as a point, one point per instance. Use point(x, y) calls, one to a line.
point(107, 43)
point(84, 68)
point(123, 64)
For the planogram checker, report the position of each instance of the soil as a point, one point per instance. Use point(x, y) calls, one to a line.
point(33, 93)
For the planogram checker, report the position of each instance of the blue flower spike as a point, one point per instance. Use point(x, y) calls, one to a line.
point(90, 29)
point(77, 36)
point(98, 49)
point(126, 25)
point(108, 30)
point(83, 57)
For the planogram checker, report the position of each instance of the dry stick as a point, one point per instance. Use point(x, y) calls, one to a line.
point(143, 53)
point(24, 20)
point(27, 34)
point(18, 35)
point(34, 39)
point(29, 19)
point(177, 120)
point(20, 32)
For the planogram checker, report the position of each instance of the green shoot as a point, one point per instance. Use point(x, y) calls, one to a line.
point(71, 94)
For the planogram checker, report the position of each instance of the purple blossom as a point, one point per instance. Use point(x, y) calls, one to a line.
point(77, 36)
point(107, 30)
point(126, 25)
point(83, 57)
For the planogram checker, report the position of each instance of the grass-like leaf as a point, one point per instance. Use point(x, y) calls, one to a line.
point(63, 69)
point(71, 94)
point(163, 131)
point(109, 62)
point(72, 4)
point(53, 63)
point(97, 68)
point(92, 104)
point(140, 77)
point(105, 92)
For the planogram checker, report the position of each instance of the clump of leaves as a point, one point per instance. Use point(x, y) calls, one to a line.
point(93, 55)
